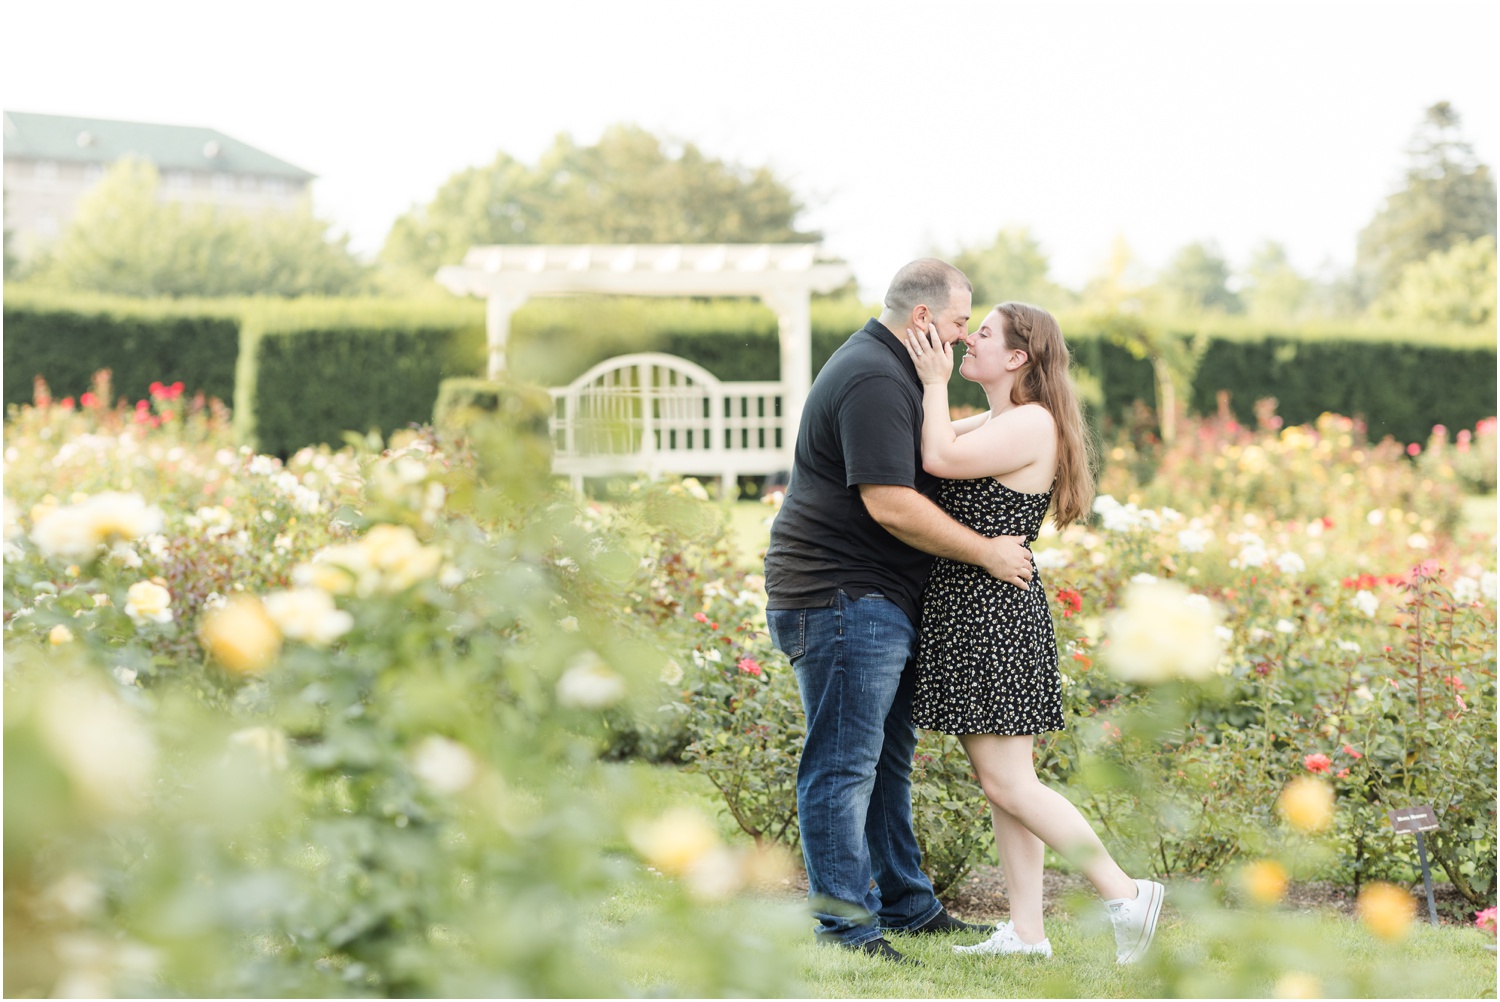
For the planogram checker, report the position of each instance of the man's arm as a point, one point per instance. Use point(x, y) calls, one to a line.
point(912, 518)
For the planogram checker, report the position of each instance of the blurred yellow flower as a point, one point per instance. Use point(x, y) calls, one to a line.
point(101, 745)
point(1264, 880)
point(309, 615)
point(148, 602)
point(59, 635)
point(1387, 911)
point(78, 530)
point(388, 559)
point(1297, 985)
point(1306, 804)
point(767, 866)
point(327, 572)
point(241, 635)
point(675, 841)
point(1162, 631)
point(399, 557)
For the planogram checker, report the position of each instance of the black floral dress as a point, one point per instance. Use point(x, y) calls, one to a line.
point(987, 658)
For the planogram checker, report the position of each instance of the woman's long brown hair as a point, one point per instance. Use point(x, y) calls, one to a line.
point(1044, 380)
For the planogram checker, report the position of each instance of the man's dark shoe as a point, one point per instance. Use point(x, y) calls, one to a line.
point(884, 951)
point(943, 922)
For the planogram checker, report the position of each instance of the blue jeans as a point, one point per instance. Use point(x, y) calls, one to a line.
point(854, 780)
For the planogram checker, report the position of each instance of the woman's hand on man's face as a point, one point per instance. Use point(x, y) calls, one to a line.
point(932, 357)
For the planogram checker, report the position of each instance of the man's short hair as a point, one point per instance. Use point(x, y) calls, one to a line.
point(925, 281)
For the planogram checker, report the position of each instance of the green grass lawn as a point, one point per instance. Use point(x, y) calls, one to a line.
point(1479, 513)
point(1201, 949)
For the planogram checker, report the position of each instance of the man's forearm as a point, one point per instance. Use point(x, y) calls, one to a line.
point(917, 522)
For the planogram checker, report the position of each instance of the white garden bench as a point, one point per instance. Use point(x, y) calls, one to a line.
point(653, 414)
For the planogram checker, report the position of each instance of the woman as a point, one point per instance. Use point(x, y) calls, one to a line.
point(987, 661)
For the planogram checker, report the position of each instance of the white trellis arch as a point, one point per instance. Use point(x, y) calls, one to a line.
point(783, 276)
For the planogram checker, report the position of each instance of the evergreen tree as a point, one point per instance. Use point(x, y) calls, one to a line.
point(1448, 198)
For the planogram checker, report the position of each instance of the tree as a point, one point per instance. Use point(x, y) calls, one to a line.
point(1448, 198)
point(1013, 267)
point(627, 188)
point(1273, 289)
point(1122, 285)
point(1455, 286)
point(124, 241)
point(1197, 281)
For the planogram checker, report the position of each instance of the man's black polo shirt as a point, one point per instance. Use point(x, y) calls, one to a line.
point(862, 425)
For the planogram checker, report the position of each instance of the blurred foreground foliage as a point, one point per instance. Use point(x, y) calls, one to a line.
point(331, 728)
point(334, 725)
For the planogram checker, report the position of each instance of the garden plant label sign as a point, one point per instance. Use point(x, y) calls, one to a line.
point(1419, 818)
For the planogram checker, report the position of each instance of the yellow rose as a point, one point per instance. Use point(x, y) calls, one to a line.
point(674, 842)
point(309, 615)
point(59, 635)
point(325, 574)
point(241, 635)
point(78, 530)
point(1307, 804)
point(1387, 911)
point(1265, 881)
point(400, 558)
point(1296, 985)
point(148, 602)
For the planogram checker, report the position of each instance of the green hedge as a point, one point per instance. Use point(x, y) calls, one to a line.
point(309, 372)
point(1401, 390)
point(464, 399)
point(304, 371)
point(1402, 382)
point(66, 339)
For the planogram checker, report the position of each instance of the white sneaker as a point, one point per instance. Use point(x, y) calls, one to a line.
point(1134, 920)
point(1005, 940)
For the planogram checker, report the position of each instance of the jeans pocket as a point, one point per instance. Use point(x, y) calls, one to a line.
point(788, 628)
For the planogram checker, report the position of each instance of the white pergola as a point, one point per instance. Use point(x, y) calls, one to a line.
point(783, 276)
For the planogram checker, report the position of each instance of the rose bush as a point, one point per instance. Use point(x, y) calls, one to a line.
point(330, 727)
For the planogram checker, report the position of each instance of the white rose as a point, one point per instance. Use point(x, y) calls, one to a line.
point(1253, 555)
point(443, 764)
point(1290, 563)
point(589, 683)
point(671, 672)
point(1465, 590)
point(1051, 559)
point(1194, 539)
point(1366, 602)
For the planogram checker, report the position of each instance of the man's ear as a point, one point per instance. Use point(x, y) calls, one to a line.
point(922, 316)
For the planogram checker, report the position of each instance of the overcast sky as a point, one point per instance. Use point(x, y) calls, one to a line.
point(906, 127)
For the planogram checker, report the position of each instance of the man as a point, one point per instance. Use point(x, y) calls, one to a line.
point(850, 551)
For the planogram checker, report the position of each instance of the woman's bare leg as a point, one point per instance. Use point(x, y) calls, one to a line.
point(1008, 776)
point(1021, 860)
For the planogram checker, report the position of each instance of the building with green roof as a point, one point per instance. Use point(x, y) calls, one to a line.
point(51, 160)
